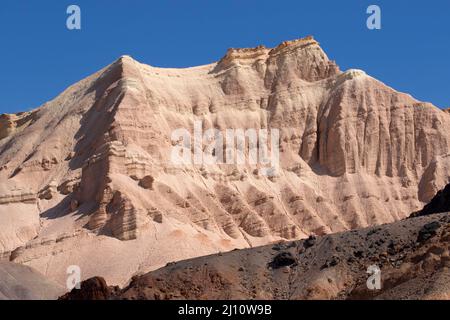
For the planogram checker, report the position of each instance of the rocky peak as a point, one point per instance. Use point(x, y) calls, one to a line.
point(294, 45)
point(303, 58)
point(235, 56)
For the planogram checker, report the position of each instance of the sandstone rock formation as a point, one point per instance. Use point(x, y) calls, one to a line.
point(87, 179)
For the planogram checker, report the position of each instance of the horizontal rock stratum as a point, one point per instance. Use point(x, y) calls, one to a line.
point(87, 178)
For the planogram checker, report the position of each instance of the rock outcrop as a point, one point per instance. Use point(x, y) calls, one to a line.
point(440, 203)
point(91, 289)
point(88, 178)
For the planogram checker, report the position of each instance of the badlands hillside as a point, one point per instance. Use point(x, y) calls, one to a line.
point(87, 179)
point(412, 257)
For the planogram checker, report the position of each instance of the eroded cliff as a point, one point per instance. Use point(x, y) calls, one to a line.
point(88, 179)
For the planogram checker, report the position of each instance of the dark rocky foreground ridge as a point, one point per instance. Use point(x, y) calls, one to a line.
point(440, 203)
point(413, 255)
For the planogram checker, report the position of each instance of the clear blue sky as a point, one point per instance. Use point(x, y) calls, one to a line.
point(39, 57)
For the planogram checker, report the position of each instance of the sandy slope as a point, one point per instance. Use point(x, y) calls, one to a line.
point(18, 282)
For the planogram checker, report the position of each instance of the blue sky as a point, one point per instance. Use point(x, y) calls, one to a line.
point(40, 57)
